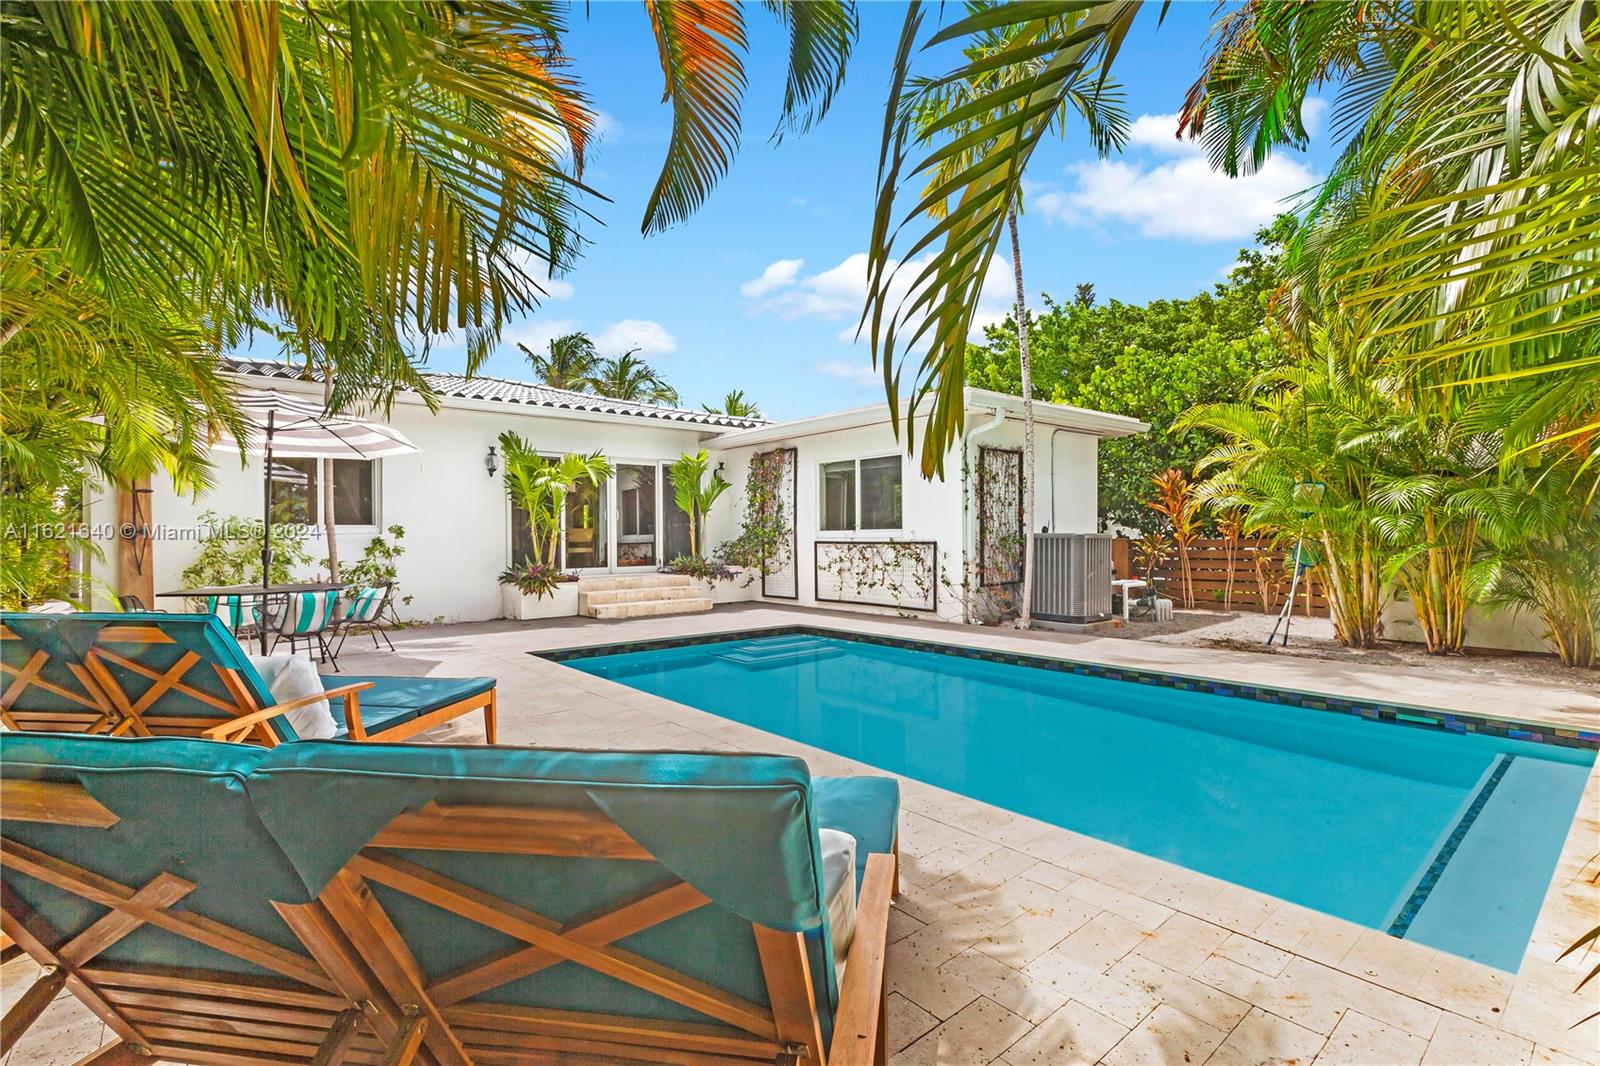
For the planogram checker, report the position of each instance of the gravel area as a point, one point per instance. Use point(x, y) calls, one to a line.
point(1312, 638)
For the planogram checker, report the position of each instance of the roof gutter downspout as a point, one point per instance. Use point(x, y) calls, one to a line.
point(968, 535)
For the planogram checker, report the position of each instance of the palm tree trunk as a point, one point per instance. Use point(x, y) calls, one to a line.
point(327, 489)
point(1025, 608)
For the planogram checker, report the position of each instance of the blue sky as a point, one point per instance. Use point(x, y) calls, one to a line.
point(759, 291)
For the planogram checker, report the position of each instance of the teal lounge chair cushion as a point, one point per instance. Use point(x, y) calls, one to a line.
point(183, 810)
point(32, 634)
point(373, 719)
point(416, 694)
point(203, 634)
point(739, 828)
point(868, 808)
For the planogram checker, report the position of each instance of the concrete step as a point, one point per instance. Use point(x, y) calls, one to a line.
point(639, 595)
point(646, 608)
point(612, 582)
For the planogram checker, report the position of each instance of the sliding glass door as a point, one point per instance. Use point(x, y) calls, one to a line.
point(636, 515)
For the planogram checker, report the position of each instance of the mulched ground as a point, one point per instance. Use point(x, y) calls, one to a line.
point(1313, 638)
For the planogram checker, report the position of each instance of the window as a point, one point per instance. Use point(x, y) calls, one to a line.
point(868, 488)
point(297, 493)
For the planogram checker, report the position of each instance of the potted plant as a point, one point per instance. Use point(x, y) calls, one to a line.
point(538, 590)
point(538, 587)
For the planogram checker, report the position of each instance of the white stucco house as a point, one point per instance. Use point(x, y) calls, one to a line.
point(867, 530)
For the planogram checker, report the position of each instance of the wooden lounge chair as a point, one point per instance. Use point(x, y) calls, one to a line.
point(460, 906)
point(186, 675)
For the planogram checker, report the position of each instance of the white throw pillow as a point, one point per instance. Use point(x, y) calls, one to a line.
point(290, 677)
point(839, 883)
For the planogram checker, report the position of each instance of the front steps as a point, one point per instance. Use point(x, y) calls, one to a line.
point(640, 596)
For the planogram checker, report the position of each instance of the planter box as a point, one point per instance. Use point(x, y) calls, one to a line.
point(734, 591)
point(562, 604)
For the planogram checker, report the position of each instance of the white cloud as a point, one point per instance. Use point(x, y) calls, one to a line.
point(778, 275)
point(1159, 133)
point(861, 375)
point(840, 292)
point(536, 333)
point(1178, 196)
point(650, 338)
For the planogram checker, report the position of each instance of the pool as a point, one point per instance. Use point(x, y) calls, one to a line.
point(1446, 839)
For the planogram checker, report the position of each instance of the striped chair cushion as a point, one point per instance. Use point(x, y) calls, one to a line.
point(365, 605)
point(308, 612)
point(231, 610)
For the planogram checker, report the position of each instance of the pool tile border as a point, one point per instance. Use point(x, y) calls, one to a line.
point(1419, 895)
point(1390, 714)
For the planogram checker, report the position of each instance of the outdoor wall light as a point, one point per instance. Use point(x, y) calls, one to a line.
point(491, 462)
point(718, 471)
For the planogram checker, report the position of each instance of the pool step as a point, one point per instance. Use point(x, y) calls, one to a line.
point(640, 596)
point(773, 653)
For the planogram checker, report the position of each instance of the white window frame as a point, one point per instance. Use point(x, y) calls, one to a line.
point(372, 528)
point(822, 501)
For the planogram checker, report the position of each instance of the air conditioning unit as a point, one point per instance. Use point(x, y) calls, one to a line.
point(1072, 577)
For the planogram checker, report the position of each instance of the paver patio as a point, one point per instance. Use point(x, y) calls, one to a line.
point(1020, 943)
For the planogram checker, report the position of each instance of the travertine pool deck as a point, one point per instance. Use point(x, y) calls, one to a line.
point(1020, 943)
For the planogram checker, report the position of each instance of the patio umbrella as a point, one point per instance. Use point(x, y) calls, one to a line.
point(292, 427)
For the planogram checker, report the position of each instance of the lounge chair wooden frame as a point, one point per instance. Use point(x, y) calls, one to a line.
point(107, 707)
point(357, 994)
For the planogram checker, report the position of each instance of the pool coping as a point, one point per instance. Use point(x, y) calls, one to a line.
point(1383, 712)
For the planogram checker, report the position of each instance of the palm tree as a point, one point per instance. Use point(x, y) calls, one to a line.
point(1026, 67)
point(570, 363)
point(540, 486)
point(628, 377)
point(1462, 212)
point(736, 405)
point(694, 494)
point(932, 106)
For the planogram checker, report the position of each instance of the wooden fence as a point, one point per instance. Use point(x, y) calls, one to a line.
point(1261, 574)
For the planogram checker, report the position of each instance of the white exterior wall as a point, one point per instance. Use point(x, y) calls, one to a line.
point(457, 518)
point(1066, 496)
point(930, 510)
point(939, 510)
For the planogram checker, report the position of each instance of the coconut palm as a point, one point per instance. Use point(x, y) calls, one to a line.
point(1023, 67)
point(931, 105)
point(736, 405)
point(569, 363)
point(628, 377)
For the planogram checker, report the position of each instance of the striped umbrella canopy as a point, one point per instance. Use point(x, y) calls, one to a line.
point(292, 427)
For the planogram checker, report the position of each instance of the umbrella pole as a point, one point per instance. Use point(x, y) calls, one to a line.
point(266, 535)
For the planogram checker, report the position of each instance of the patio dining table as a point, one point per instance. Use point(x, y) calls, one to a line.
point(264, 594)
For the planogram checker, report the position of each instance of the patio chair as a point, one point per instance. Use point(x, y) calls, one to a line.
point(46, 686)
point(186, 675)
point(467, 905)
point(309, 616)
point(364, 611)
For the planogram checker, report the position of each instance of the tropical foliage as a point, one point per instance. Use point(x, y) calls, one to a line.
point(1150, 361)
point(536, 579)
point(358, 180)
point(694, 493)
point(569, 362)
point(735, 404)
point(627, 377)
point(539, 486)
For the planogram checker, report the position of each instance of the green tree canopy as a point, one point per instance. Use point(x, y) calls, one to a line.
point(1150, 361)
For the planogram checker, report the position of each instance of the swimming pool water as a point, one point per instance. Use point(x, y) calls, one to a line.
point(1354, 818)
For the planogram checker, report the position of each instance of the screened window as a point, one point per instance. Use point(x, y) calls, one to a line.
point(297, 492)
point(839, 495)
point(861, 494)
